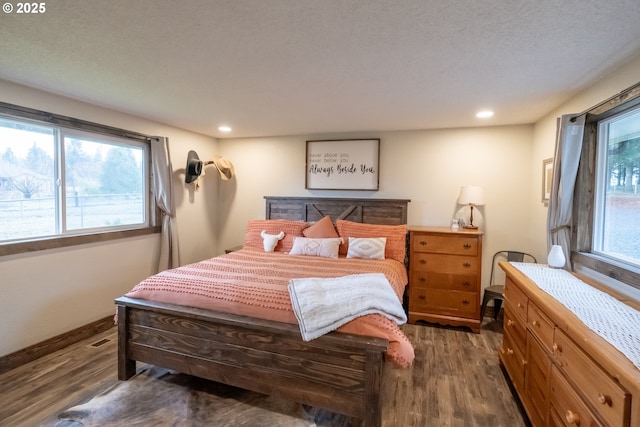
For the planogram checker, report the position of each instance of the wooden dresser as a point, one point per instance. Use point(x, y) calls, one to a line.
point(445, 276)
point(564, 373)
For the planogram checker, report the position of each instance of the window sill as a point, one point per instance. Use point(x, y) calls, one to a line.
point(61, 242)
point(626, 274)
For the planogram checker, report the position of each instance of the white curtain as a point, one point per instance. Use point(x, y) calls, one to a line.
point(161, 173)
point(565, 169)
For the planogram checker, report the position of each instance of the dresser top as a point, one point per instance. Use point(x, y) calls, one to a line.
point(445, 230)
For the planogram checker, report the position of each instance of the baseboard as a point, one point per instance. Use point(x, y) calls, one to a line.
point(36, 351)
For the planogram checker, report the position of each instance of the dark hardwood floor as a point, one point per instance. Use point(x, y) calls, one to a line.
point(456, 381)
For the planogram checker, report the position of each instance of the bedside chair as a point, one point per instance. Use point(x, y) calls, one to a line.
point(495, 292)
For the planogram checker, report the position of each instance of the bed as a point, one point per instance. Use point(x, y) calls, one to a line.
point(338, 371)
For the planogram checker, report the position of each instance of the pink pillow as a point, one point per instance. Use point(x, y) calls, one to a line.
point(322, 229)
point(253, 240)
point(396, 236)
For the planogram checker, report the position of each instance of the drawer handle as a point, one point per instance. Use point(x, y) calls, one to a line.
point(523, 362)
point(557, 347)
point(423, 261)
point(423, 243)
point(466, 246)
point(510, 322)
point(422, 279)
point(572, 417)
point(422, 297)
point(604, 399)
point(519, 305)
point(510, 351)
point(465, 301)
point(466, 284)
point(466, 265)
point(535, 323)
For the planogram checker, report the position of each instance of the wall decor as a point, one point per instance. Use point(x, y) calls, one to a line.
point(342, 164)
point(547, 173)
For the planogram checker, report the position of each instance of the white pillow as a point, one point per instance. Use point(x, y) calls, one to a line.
point(367, 247)
point(327, 248)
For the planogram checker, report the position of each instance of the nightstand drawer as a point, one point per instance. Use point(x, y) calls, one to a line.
point(444, 302)
point(445, 244)
point(454, 282)
point(450, 264)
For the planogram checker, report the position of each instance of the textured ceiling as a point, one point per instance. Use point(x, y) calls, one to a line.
point(286, 67)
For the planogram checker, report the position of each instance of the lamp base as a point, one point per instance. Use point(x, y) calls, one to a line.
point(471, 227)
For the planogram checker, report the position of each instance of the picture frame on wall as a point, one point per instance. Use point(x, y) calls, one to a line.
point(343, 164)
point(547, 174)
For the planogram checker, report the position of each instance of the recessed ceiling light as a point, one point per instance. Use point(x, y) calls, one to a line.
point(484, 114)
point(224, 128)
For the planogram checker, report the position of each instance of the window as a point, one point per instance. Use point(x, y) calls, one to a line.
point(606, 205)
point(57, 181)
point(617, 197)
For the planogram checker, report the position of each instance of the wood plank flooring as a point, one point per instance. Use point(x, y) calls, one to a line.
point(456, 381)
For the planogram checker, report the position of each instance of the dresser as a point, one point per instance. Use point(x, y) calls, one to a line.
point(445, 276)
point(564, 373)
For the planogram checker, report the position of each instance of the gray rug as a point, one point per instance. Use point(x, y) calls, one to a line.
point(159, 397)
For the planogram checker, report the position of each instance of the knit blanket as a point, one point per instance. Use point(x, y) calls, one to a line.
point(322, 305)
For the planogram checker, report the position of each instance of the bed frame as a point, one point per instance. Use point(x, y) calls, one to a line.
point(339, 372)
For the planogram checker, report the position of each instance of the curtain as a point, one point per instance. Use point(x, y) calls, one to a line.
point(565, 169)
point(161, 172)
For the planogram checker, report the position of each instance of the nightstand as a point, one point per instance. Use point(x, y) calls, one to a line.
point(445, 276)
point(233, 249)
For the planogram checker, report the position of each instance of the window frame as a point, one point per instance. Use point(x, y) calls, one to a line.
point(585, 193)
point(96, 130)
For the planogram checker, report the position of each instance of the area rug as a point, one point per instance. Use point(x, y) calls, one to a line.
point(160, 397)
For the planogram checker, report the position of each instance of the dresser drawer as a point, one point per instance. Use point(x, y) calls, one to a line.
point(452, 264)
point(607, 397)
point(454, 303)
point(445, 244)
point(567, 403)
point(454, 282)
point(516, 299)
point(540, 325)
point(515, 327)
point(513, 359)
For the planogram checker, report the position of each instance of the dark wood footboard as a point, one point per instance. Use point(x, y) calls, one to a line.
point(339, 372)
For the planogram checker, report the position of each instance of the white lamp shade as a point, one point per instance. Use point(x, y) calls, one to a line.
point(471, 195)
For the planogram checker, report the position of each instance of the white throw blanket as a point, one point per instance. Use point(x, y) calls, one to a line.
point(323, 305)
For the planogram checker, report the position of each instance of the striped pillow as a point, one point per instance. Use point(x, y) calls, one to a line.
point(253, 240)
point(396, 236)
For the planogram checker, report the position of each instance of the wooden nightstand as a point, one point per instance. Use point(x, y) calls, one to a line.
point(445, 276)
point(233, 249)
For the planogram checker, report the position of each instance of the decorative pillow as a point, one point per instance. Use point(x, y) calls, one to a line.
point(396, 236)
point(327, 248)
point(366, 247)
point(322, 229)
point(271, 240)
point(253, 239)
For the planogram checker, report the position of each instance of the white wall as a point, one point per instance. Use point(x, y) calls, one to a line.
point(47, 293)
point(427, 167)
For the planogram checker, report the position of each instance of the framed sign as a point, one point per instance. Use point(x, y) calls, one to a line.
point(547, 173)
point(343, 164)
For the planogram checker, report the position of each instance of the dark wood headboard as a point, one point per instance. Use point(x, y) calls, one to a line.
point(369, 211)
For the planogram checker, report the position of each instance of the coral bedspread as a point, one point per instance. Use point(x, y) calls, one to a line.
point(253, 283)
